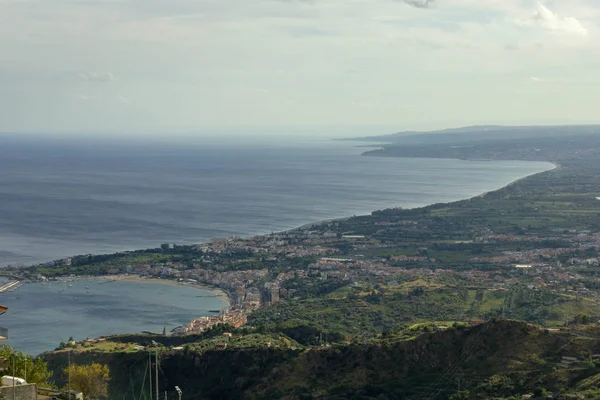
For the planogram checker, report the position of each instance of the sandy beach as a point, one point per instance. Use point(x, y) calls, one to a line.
point(556, 167)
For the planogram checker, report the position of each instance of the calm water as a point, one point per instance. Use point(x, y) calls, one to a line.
point(74, 197)
point(65, 198)
point(40, 317)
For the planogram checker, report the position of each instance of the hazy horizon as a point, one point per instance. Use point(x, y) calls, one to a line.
point(145, 67)
point(253, 134)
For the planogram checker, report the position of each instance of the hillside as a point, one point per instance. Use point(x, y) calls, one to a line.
point(498, 359)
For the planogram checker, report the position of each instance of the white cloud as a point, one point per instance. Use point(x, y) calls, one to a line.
point(420, 3)
point(96, 76)
point(546, 19)
point(254, 59)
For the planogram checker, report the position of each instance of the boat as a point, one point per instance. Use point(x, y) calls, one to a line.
point(214, 311)
point(70, 285)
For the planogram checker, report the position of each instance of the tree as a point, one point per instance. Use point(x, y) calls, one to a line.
point(165, 246)
point(542, 393)
point(581, 319)
point(37, 370)
point(462, 395)
point(91, 380)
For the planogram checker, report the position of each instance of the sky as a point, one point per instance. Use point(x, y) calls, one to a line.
point(289, 66)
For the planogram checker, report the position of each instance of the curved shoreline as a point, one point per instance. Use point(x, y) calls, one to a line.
point(217, 291)
point(557, 166)
point(223, 295)
point(325, 221)
point(308, 225)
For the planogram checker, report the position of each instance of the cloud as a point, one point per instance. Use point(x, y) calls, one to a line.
point(373, 52)
point(547, 19)
point(96, 76)
point(83, 97)
point(420, 3)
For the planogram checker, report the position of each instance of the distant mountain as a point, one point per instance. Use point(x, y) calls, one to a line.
point(481, 133)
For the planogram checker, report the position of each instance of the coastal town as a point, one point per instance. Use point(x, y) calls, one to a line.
point(537, 238)
point(266, 269)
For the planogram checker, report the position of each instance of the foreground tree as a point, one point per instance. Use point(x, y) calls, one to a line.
point(91, 380)
point(30, 368)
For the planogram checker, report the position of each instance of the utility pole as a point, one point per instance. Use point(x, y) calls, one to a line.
point(69, 367)
point(14, 378)
point(179, 392)
point(156, 369)
point(150, 371)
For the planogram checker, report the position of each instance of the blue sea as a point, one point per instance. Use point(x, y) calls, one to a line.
point(65, 197)
point(62, 197)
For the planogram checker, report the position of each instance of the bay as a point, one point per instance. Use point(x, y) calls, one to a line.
point(42, 316)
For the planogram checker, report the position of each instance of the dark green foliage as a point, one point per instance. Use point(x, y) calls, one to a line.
point(581, 319)
point(314, 287)
point(498, 360)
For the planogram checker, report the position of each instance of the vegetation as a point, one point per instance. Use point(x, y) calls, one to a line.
point(501, 359)
point(34, 369)
point(91, 380)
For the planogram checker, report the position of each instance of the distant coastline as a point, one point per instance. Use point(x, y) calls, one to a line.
point(555, 165)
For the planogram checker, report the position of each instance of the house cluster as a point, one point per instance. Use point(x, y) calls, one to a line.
point(234, 316)
point(525, 257)
point(167, 269)
point(292, 244)
point(235, 282)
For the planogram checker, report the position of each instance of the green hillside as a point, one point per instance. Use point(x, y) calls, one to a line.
point(500, 359)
